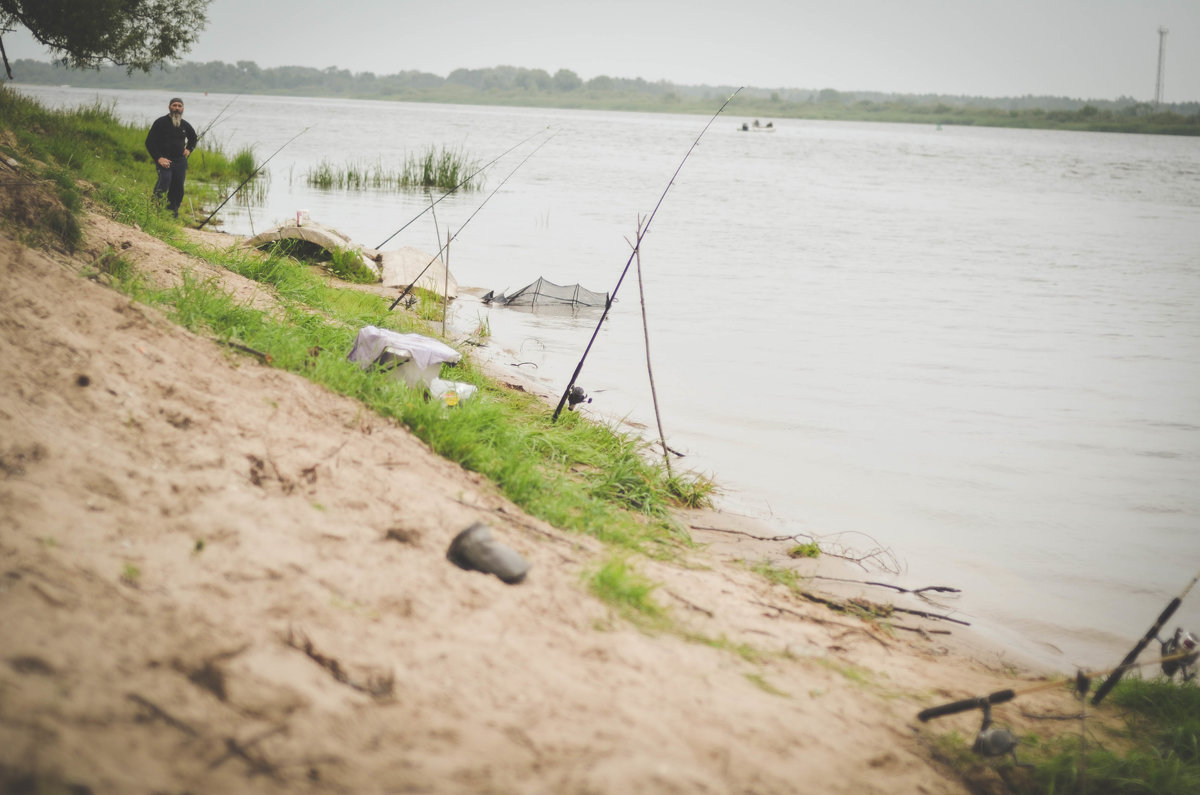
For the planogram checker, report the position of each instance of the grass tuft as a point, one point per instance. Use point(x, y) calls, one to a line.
point(807, 550)
point(618, 585)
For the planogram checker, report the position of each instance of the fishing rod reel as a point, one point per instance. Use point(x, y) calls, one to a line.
point(993, 741)
point(1176, 658)
point(575, 396)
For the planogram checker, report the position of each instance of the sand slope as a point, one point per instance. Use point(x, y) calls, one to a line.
point(216, 577)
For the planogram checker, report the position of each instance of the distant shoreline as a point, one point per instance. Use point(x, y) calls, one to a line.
point(535, 88)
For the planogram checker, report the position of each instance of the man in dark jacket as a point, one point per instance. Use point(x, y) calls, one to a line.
point(170, 142)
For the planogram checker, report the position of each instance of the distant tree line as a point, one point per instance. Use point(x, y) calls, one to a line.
point(248, 77)
point(511, 85)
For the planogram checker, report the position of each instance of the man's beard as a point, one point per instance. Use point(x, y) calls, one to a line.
point(176, 117)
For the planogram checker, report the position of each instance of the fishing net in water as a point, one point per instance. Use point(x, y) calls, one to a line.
point(544, 293)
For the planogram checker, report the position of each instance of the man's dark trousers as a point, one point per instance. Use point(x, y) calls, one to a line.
point(170, 182)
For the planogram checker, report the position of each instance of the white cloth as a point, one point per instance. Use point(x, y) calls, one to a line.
point(425, 351)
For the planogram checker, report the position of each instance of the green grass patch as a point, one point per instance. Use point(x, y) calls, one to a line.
point(435, 167)
point(120, 272)
point(851, 673)
point(747, 652)
point(618, 585)
point(243, 162)
point(1156, 753)
point(785, 577)
point(808, 550)
point(759, 681)
point(131, 575)
point(345, 263)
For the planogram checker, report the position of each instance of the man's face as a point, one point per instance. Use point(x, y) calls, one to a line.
point(175, 107)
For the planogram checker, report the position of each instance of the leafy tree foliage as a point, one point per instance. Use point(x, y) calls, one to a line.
point(566, 80)
point(83, 34)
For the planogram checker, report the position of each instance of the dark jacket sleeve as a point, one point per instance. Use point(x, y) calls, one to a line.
point(153, 145)
point(192, 139)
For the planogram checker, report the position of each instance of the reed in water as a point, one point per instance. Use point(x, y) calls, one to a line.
point(435, 167)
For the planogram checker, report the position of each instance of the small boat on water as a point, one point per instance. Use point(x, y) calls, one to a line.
point(756, 127)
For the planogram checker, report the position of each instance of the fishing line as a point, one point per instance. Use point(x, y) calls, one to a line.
point(459, 185)
point(252, 173)
point(437, 233)
point(464, 224)
point(636, 248)
point(662, 437)
point(1119, 671)
point(216, 118)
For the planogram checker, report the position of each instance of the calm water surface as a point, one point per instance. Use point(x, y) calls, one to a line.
point(978, 348)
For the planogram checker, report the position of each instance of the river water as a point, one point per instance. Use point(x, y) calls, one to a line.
point(976, 348)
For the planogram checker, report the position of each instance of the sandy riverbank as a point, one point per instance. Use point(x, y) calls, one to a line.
point(218, 577)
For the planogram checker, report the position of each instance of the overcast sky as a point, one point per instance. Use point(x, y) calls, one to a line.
point(1087, 49)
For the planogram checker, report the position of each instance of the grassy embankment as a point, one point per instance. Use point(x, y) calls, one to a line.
point(576, 474)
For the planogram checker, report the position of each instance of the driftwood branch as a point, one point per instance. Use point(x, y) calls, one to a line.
point(379, 685)
point(161, 714)
point(915, 591)
point(263, 357)
point(934, 616)
point(821, 621)
point(921, 630)
point(691, 605)
point(743, 533)
point(878, 611)
point(257, 762)
point(882, 557)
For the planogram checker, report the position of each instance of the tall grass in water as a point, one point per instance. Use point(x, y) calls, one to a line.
point(434, 168)
point(437, 168)
point(351, 176)
point(244, 162)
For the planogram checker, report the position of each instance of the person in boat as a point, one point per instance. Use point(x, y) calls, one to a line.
point(170, 142)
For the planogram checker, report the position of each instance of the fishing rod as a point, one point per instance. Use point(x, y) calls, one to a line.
point(636, 248)
point(464, 224)
point(456, 187)
point(216, 119)
point(1082, 683)
point(252, 173)
point(1119, 671)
